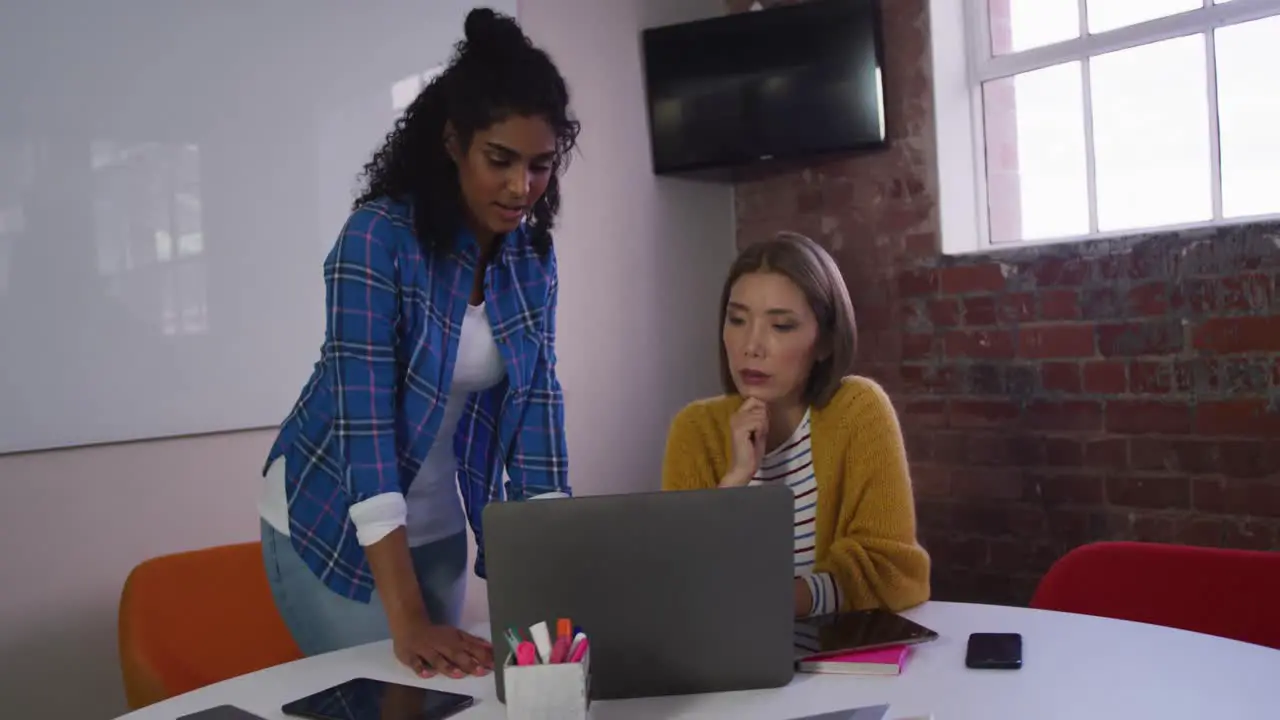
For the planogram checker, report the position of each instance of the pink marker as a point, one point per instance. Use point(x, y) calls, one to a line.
point(578, 639)
point(526, 654)
point(579, 652)
point(560, 651)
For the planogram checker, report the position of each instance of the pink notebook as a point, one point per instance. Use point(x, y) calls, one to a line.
point(882, 661)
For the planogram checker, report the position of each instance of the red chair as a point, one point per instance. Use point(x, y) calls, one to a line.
point(1229, 593)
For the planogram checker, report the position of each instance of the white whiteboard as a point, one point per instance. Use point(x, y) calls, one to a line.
point(172, 175)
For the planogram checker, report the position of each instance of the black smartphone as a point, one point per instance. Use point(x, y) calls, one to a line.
point(365, 699)
point(994, 651)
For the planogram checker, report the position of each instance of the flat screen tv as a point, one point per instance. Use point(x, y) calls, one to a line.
point(788, 82)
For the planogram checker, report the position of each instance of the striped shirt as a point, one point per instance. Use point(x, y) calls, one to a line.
point(792, 463)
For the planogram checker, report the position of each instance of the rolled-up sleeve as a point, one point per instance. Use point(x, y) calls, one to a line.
point(875, 557)
point(362, 306)
point(539, 461)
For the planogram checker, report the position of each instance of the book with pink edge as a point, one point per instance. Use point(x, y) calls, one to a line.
point(881, 661)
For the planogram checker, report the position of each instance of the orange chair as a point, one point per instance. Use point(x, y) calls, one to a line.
point(196, 618)
point(1229, 593)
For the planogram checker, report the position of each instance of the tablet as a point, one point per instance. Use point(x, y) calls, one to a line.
point(365, 699)
point(863, 713)
point(840, 633)
point(222, 712)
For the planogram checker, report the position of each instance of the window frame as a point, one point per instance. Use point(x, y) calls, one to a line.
point(962, 60)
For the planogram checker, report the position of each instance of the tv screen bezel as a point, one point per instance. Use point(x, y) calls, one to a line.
point(726, 162)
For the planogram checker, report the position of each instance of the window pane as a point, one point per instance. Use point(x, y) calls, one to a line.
point(1021, 24)
point(1036, 184)
point(1248, 116)
point(1151, 135)
point(1111, 14)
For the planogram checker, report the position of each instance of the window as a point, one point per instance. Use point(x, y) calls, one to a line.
point(148, 222)
point(406, 91)
point(18, 168)
point(1064, 119)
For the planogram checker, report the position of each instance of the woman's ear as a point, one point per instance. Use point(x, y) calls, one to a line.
point(825, 350)
point(452, 147)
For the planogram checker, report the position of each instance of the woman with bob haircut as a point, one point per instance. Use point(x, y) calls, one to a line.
point(792, 413)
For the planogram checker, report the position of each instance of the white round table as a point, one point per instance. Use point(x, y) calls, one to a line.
point(1074, 668)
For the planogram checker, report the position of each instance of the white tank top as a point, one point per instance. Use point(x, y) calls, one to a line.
point(434, 505)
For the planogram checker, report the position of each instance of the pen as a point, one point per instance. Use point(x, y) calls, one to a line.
point(578, 639)
point(576, 656)
point(513, 639)
point(541, 640)
point(564, 628)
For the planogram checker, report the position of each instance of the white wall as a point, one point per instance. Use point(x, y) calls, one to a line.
point(641, 258)
point(641, 264)
point(171, 178)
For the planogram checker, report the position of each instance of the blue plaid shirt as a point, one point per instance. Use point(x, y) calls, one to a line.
point(374, 403)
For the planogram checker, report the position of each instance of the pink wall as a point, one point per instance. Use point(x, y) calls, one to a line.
point(126, 503)
point(72, 525)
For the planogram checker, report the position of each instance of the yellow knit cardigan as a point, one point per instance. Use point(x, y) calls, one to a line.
point(866, 525)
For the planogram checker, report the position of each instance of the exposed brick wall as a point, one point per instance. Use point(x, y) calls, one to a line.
point(1110, 390)
point(1053, 395)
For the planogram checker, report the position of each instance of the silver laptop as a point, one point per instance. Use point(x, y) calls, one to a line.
point(679, 592)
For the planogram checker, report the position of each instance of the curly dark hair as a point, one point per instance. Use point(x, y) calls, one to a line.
point(495, 73)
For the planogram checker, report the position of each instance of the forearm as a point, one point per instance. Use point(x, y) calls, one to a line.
point(877, 572)
point(803, 597)
point(686, 464)
point(875, 556)
point(539, 461)
point(395, 579)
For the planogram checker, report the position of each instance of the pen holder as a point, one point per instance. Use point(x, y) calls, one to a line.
point(560, 691)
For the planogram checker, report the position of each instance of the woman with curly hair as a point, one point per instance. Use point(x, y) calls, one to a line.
point(437, 372)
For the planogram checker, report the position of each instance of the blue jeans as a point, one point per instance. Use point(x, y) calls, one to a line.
point(322, 621)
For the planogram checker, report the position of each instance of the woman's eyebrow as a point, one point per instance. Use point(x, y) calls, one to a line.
point(508, 152)
point(735, 305)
